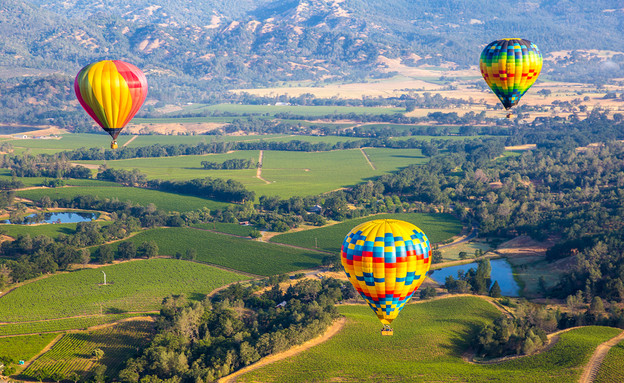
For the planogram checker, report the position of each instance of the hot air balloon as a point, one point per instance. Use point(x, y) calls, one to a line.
point(386, 260)
point(111, 92)
point(510, 67)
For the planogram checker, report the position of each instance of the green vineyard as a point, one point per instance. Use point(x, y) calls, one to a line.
point(72, 356)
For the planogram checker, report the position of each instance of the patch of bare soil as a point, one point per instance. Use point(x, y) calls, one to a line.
point(174, 128)
point(524, 245)
point(521, 147)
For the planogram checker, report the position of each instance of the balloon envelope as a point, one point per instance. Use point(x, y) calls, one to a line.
point(510, 67)
point(111, 92)
point(386, 260)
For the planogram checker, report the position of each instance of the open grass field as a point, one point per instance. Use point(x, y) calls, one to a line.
point(452, 253)
point(67, 142)
point(146, 140)
point(438, 227)
point(528, 270)
point(612, 368)
point(287, 173)
point(236, 253)
point(50, 230)
point(303, 173)
point(271, 110)
point(429, 340)
point(23, 347)
point(72, 354)
point(187, 167)
point(60, 325)
point(133, 286)
point(162, 200)
point(227, 228)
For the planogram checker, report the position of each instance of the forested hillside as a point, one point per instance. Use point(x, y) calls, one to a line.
point(250, 43)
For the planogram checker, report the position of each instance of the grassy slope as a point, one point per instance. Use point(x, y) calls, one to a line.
point(59, 325)
point(23, 347)
point(236, 253)
point(73, 352)
point(438, 227)
point(228, 228)
point(162, 200)
point(134, 286)
point(612, 368)
point(427, 345)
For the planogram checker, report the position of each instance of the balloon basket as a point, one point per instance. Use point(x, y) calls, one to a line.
point(509, 115)
point(114, 145)
point(387, 331)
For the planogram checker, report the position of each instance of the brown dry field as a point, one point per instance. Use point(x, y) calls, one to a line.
point(418, 80)
point(173, 128)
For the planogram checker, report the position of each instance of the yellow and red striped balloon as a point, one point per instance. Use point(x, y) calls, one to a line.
point(111, 92)
point(386, 260)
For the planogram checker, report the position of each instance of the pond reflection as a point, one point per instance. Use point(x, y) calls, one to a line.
point(501, 272)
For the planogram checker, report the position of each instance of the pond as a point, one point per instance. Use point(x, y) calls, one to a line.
point(57, 217)
point(501, 272)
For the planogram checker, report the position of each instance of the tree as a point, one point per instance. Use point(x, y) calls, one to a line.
point(97, 354)
point(5, 277)
point(148, 249)
point(85, 256)
point(495, 290)
point(191, 254)
point(428, 292)
point(127, 250)
point(596, 307)
point(105, 254)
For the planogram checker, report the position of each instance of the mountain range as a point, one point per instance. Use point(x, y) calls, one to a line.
point(224, 44)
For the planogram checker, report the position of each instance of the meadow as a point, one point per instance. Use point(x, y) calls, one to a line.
point(610, 370)
point(162, 200)
point(427, 346)
point(132, 286)
point(50, 230)
point(227, 228)
point(287, 173)
point(438, 227)
point(187, 167)
point(24, 347)
point(73, 353)
point(66, 142)
point(240, 254)
point(272, 110)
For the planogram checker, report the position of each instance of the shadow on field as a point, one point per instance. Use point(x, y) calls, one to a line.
point(114, 310)
point(194, 296)
point(460, 340)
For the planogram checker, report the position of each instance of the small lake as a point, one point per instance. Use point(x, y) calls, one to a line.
point(57, 217)
point(501, 272)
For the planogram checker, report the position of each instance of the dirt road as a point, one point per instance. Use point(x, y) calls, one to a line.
point(591, 369)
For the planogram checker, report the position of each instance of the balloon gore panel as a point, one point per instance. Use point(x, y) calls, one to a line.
point(510, 67)
point(386, 261)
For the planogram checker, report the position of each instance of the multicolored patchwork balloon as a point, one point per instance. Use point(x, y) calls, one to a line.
point(386, 260)
point(111, 92)
point(510, 67)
